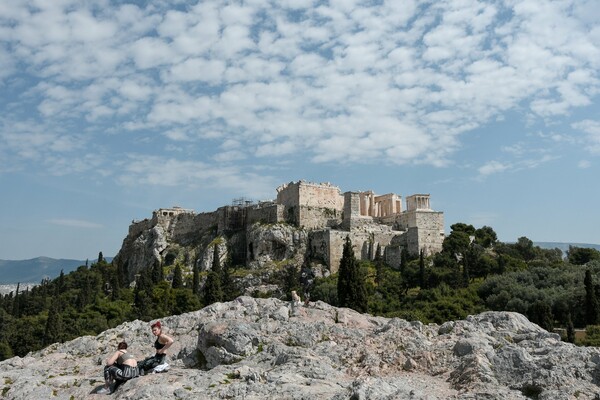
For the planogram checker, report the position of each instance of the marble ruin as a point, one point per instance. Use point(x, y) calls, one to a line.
point(328, 215)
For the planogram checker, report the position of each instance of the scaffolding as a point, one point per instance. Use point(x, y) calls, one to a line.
point(241, 202)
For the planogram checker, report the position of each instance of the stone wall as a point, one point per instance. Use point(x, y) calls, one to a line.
point(319, 218)
point(297, 195)
point(369, 219)
point(328, 245)
point(270, 214)
point(425, 231)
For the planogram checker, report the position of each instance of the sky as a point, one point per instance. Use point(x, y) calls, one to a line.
point(112, 109)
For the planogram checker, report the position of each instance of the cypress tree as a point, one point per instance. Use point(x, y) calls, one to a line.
point(403, 260)
point(229, 290)
point(378, 265)
point(592, 308)
point(570, 329)
point(352, 292)
point(16, 311)
point(291, 281)
point(467, 258)
point(422, 282)
point(157, 273)
point(213, 290)
point(142, 299)
point(53, 330)
point(196, 280)
point(177, 278)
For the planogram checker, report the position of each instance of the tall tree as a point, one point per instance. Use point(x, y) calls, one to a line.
point(142, 299)
point(157, 272)
point(403, 260)
point(54, 329)
point(196, 279)
point(15, 309)
point(213, 291)
point(352, 291)
point(378, 265)
point(177, 278)
point(291, 280)
point(592, 308)
point(422, 280)
point(582, 255)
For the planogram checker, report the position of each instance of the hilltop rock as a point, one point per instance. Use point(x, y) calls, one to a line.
point(264, 349)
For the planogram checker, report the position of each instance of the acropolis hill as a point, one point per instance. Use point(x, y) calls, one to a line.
point(307, 222)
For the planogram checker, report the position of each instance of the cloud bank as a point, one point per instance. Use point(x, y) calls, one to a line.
point(192, 91)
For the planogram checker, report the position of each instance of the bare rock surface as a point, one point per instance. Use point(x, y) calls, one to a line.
point(265, 349)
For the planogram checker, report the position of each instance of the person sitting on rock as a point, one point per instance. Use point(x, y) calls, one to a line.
point(119, 368)
point(162, 343)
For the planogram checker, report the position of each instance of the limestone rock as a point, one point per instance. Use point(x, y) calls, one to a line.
point(259, 349)
point(276, 242)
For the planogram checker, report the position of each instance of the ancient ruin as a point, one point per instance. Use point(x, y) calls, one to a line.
point(373, 222)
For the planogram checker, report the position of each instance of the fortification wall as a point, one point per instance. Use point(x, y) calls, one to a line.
point(137, 227)
point(425, 231)
point(320, 195)
point(392, 254)
point(328, 245)
point(319, 218)
point(182, 226)
point(269, 214)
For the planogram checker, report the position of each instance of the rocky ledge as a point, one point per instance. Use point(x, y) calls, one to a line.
point(264, 349)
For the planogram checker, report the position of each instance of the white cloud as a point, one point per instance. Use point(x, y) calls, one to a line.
point(492, 167)
point(398, 82)
point(584, 164)
point(591, 128)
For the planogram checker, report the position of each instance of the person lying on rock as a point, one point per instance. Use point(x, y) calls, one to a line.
point(119, 368)
point(162, 343)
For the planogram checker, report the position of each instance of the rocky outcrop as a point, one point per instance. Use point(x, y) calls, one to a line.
point(257, 247)
point(276, 242)
point(265, 349)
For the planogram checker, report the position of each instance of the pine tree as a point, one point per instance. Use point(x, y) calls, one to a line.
point(352, 292)
point(592, 308)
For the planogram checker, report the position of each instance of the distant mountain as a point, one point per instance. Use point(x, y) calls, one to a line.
point(565, 246)
point(36, 269)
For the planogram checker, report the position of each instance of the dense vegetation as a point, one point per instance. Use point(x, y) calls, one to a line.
point(473, 273)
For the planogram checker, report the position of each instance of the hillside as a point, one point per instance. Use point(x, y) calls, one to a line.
point(265, 349)
point(36, 269)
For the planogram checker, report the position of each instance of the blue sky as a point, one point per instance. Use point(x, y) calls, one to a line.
point(110, 110)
